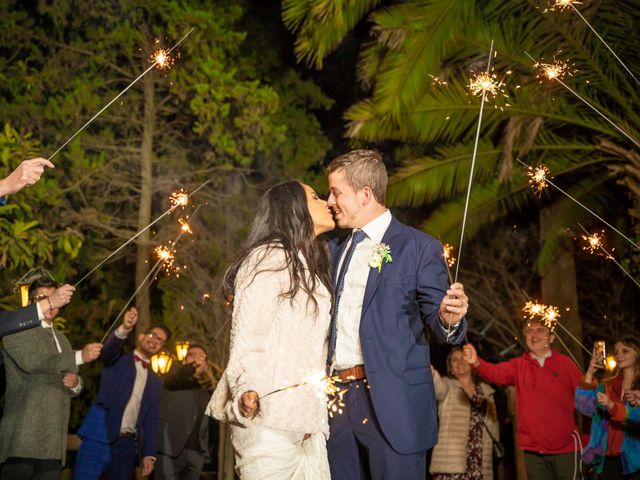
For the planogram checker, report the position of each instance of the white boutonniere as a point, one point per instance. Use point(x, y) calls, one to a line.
point(381, 254)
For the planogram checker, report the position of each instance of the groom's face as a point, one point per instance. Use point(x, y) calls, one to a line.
point(344, 201)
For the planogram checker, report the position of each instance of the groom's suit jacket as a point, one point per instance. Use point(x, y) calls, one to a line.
point(398, 303)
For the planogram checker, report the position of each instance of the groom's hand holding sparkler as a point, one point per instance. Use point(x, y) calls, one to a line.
point(454, 305)
point(249, 404)
point(27, 174)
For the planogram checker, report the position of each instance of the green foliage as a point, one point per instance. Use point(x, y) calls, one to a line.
point(26, 239)
point(416, 72)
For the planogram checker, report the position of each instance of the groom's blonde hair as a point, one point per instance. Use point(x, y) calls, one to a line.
point(363, 168)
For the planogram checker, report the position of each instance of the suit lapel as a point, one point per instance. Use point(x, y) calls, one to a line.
point(374, 278)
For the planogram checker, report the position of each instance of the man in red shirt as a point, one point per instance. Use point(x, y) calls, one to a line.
point(545, 382)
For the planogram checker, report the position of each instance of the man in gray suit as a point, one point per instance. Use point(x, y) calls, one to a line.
point(41, 370)
point(183, 429)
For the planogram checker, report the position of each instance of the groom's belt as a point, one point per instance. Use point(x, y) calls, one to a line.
point(352, 374)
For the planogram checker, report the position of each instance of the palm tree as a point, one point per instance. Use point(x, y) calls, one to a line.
point(415, 70)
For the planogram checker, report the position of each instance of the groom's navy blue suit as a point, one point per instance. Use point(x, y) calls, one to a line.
point(398, 303)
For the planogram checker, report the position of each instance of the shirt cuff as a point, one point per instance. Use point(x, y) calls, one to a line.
point(79, 360)
point(450, 331)
point(3, 201)
point(40, 314)
point(122, 332)
point(78, 388)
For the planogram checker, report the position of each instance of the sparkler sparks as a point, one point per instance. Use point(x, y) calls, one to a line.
point(167, 256)
point(485, 83)
point(162, 59)
point(538, 177)
point(556, 70)
point(560, 5)
point(179, 198)
point(594, 242)
point(547, 314)
point(448, 255)
point(184, 226)
point(436, 81)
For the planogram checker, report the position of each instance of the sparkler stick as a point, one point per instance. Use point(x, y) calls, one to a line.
point(570, 197)
point(159, 61)
point(570, 354)
point(473, 164)
point(167, 212)
point(154, 270)
point(611, 257)
point(562, 4)
point(554, 74)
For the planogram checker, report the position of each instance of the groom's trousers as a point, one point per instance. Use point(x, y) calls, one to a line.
point(357, 447)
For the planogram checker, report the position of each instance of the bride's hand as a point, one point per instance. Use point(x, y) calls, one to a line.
point(249, 404)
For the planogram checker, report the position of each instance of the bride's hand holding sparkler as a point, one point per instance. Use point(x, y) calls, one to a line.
point(249, 404)
point(454, 305)
point(470, 355)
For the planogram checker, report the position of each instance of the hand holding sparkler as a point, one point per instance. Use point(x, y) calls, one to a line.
point(470, 355)
point(454, 305)
point(130, 319)
point(249, 404)
point(25, 175)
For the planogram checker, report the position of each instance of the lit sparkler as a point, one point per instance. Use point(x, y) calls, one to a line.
point(550, 317)
point(449, 255)
point(140, 232)
point(554, 74)
point(185, 227)
point(532, 310)
point(538, 177)
point(162, 59)
point(179, 198)
point(486, 85)
point(556, 70)
point(324, 387)
point(473, 164)
point(575, 200)
point(595, 243)
point(561, 5)
point(165, 57)
point(164, 254)
point(167, 256)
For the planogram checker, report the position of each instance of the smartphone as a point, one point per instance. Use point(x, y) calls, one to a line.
point(600, 349)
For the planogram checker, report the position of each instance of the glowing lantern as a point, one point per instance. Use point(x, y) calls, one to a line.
point(161, 363)
point(181, 349)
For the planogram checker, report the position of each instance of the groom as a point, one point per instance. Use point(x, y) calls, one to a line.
point(384, 297)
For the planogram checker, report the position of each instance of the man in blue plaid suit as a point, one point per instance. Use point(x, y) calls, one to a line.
point(121, 426)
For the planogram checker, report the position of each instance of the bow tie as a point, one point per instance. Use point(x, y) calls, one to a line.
point(144, 363)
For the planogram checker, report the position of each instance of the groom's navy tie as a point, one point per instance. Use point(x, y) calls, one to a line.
point(356, 238)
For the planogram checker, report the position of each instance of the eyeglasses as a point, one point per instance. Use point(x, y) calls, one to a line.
point(156, 337)
point(37, 298)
